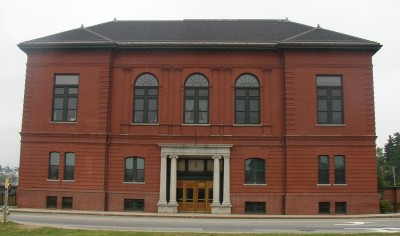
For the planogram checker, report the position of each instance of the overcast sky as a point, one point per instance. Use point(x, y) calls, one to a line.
point(22, 20)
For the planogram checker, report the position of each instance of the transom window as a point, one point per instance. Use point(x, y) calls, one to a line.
point(65, 98)
point(196, 99)
point(255, 171)
point(330, 99)
point(146, 99)
point(247, 100)
point(134, 169)
point(54, 162)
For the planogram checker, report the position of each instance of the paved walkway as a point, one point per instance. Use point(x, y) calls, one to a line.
point(201, 215)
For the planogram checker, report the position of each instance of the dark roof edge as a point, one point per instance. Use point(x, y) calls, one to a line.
point(331, 45)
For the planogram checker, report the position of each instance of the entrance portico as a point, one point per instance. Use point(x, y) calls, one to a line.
point(216, 152)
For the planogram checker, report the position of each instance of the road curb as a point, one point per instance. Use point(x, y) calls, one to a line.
point(208, 216)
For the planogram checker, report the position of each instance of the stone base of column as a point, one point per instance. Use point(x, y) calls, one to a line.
point(167, 208)
point(221, 209)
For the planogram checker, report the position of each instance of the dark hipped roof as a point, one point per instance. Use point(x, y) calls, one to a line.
point(240, 34)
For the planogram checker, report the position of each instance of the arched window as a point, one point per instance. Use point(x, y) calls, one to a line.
point(255, 171)
point(196, 99)
point(146, 99)
point(134, 169)
point(247, 100)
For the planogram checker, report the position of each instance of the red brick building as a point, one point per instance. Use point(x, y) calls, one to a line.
point(220, 116)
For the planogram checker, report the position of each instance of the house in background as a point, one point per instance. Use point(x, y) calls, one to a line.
point(219, 116)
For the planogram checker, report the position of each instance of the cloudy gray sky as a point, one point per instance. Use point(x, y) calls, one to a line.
point(22, 20)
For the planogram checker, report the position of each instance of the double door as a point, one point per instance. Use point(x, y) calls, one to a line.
point(194, 195)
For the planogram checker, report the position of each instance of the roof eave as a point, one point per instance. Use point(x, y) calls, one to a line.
point(374, 47)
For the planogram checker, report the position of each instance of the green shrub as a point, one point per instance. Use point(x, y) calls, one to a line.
point(385, 206)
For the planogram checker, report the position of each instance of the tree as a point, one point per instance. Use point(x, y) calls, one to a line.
point(390, 160)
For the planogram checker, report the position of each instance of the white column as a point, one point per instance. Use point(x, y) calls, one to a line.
point(163, 181)
point(172, 190)
point(216, 182)
point(227, 182)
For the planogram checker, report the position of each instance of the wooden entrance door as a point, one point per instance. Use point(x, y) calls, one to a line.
point(194, 195)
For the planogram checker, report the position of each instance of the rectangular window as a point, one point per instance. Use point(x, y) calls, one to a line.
point(54, 161)
point(134, 204)
point(324, 208)
point(69, 166)
point(67, 203)
point(255, 171)
point(329, 99)
point(255, 208)
point(134, 169)
point(65, 98)
point(340, 170)
point(323, 170)
point(340, 207)
point(51, 202)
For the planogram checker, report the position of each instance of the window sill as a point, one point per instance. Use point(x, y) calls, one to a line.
point(133, 182)
point(255, 185)
point(68, 181)
point(331, 125)
point(144, 124)
point(246, 125)
point(64, 122)
point(343, 185)
point(195, 124)
point(324, 185)
point(53, 180)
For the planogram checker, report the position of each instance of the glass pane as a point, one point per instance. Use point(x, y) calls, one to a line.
point(203, 105)
point(240, 117)
point(322, 117)
point(254, 105)
point(152, 104)
point(254, 92)
point(203, 92)
point(58, 103)
point(70, 159)
point(210, 195)
point(337, 118)
point(329, 81)
point(128, 175)
point(138, 116)
point(189, 195)
point(179, 194)
point(322, 92)
point(67, 79)
point(189, 92)
point(129, 163)
point(240, 92)
point(189, 105)
point(140, 176)
point(59, 90)
point(73, 91)
point(196, 165)
point(140, 163)
point(240, 105)
point(152, 117)
point(254, 118)
point(201, 195)
point(153, 91)
point(336, 105)
point(203, 117)
point(139, 104)
point(58, 115)
point(180, 165)
point(322, 105)
point(260, 177)
point(139, 92)
point(196, 80)
point(189, 117)
point(336, 92)
point(71, 115)
point(72, 103)
point(247, 80)
point(54, 158)
point(323, 176)
point(323, 162)
point(146, 80)
point(69, 173)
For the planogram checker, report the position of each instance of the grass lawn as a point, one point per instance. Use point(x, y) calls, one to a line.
point(12, 228)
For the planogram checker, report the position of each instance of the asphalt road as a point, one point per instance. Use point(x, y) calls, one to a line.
point(205, 225)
